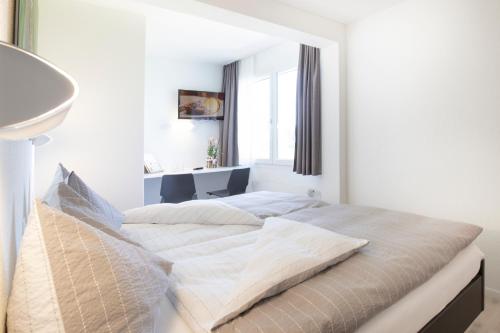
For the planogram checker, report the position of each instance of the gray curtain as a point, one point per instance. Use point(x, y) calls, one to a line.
point(307, 159)
point(228, 136)
point(26, 24)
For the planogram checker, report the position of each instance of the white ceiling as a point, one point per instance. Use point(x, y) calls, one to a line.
point(181, 36)
point(344, 11)
point(186, 37)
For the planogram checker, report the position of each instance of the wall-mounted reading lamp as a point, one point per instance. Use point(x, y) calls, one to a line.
point(35, 97)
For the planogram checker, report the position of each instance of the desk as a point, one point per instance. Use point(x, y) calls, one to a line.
point(205, 180)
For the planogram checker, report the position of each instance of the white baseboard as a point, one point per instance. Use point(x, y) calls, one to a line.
point(493, 292)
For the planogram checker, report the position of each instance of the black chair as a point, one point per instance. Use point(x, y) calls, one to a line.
point(177, 188)
point(237, 184)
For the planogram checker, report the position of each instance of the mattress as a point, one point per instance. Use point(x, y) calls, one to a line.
point(408, 315)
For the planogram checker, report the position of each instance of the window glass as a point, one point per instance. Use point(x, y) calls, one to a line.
point(261, 118)
point(287, 87)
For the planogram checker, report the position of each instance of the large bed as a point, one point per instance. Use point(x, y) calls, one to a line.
point(416, 274)
point(257, 262)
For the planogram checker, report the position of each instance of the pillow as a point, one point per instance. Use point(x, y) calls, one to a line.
point(60, 176)
point(191, 212)
point(61, 173)
point(65, 199)
point(102, 206)
point(71, 277)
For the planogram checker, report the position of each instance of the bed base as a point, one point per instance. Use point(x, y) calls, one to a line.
point(457, 316)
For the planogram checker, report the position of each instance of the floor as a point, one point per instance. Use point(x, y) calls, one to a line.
point(489, 320)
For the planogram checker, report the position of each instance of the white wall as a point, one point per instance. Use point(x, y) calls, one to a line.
point(102, 137)
point(177, 143)
point(423, 114)
point(276, 59)
point(281, 177)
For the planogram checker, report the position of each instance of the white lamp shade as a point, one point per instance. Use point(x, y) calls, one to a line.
point(35, 96)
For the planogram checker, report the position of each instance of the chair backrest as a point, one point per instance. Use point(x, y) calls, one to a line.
point(238, 181)
point(177, 188)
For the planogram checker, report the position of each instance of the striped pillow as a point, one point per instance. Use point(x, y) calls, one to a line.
point(65, 199)
point(103, 206)
point(61, 173)
point(60, 176)
point(71, 277)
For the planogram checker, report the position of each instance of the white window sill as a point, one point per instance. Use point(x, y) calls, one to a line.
point(284, 163)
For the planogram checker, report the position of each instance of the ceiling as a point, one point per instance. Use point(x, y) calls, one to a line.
point(344, 11)
point(181, 36)
point(176, 35)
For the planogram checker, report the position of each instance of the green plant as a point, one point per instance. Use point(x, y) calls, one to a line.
point(213, 148)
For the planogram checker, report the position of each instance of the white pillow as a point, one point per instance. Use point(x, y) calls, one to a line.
point(103, 206)
point(71, 277)
point(211, 212)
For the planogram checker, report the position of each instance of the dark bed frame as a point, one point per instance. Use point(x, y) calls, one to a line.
point(457, 316)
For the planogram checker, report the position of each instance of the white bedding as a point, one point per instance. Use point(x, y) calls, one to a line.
point(162, 237)
point(209, 212)
point(214, 281)
point(408, 315)
point(271, 204)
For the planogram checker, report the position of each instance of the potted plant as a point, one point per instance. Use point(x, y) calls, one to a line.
point(212, 152)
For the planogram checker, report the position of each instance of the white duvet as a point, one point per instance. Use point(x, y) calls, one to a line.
point(209, 212)
point(214, 281)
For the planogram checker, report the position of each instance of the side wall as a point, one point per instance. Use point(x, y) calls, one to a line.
point(102, 137)
point(423, 114)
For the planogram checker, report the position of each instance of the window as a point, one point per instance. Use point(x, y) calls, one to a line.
point(261, 99)
point(286, 110)
point(273, 108)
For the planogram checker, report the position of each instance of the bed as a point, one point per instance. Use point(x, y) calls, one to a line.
point(399, 272)
point(416, 275)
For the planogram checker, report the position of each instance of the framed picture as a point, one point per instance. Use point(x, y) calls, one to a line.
point(200, 105)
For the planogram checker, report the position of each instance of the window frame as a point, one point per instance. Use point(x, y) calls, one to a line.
point(273, 120)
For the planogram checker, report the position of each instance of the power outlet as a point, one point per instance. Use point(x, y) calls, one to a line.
point(313, 193)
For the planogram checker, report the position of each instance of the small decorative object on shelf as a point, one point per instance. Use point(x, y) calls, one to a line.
point(212, 152)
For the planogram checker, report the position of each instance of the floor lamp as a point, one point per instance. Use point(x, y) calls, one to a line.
point(35, 97)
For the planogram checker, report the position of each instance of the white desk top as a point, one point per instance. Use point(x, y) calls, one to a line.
point(194, 172)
